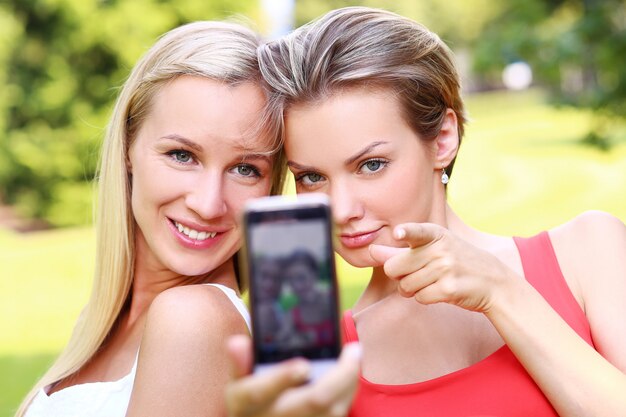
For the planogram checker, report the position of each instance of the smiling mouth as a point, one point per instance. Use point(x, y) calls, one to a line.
point(192, 233)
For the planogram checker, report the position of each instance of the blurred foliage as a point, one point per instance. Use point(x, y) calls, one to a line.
point(60, 64)
point(576, 50)
point(458, 22)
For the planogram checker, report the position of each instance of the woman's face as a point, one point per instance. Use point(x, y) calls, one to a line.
point(302, 278)
point(356, 147)
point(193, 167)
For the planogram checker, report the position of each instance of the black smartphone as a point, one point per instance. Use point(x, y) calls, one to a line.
point(289, 263)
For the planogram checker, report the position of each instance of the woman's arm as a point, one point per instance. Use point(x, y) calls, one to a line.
point(591, 251)
point(182, 368)
point(578, 380)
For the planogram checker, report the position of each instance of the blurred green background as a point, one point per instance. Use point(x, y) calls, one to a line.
point(531, 159)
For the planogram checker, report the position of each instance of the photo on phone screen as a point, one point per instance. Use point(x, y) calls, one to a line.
point(293, 286)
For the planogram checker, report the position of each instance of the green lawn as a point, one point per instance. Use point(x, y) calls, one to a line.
point(520, 171)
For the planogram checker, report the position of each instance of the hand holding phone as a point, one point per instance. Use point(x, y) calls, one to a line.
point(283, 391)
point(289, 263)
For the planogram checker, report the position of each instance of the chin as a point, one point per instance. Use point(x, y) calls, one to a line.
point(190, 270)
point(191, 266)
point(362, 259)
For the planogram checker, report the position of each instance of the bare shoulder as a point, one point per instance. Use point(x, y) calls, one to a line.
point(183, 351)
point(183, 309)
point(591, 250)
point(594, 234)
point(190, 321)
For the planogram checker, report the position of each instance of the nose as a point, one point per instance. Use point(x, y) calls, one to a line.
point(206, 197)
point(345, 204)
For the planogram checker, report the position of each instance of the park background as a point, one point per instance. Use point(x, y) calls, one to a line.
point(535, 154)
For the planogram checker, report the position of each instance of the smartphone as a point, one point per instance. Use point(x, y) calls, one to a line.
point(289, 263)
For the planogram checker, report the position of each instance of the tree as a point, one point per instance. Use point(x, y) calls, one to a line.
point(61, 62)
point(576, 49)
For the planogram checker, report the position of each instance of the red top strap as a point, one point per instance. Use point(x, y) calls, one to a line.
point(542, 271)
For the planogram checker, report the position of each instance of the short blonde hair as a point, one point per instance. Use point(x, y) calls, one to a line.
point(365, 47)
point(216, 50)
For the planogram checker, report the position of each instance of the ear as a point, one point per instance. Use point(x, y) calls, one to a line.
point(447, 140)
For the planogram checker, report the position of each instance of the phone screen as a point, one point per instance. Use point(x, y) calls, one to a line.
point(293, 289)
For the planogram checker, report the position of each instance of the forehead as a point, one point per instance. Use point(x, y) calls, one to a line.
point(199, 107)
point(343, 121)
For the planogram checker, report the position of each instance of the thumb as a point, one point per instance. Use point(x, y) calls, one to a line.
point(380, 253)
point(239, 349)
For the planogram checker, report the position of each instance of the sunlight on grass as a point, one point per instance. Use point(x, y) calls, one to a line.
point(45, 281)
point(522, 169)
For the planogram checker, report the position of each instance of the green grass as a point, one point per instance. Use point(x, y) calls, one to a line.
point(521, 169)
point(19, 372)
point(44, 282)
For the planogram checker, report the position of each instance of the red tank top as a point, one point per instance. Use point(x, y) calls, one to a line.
point(495, 386)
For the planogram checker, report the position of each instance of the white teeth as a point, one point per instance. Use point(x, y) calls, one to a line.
point(194, 234)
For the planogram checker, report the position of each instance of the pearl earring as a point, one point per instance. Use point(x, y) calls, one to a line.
point(444, 177)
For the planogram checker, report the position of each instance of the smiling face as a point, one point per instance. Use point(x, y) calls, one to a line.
point(356, 147)
point(303, 278)
point(193, 166)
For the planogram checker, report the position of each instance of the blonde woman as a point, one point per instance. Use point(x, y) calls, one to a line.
point(454, 321)
point(186, 146)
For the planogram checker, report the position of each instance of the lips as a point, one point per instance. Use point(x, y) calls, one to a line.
point(191, 236)
point(193, 233)
point(358, 239)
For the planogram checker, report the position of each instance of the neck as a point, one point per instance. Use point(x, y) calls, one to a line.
point(477, 238)
point(379, 287)
point(149, 281)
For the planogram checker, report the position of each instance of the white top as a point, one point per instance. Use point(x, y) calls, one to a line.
point(102, 399)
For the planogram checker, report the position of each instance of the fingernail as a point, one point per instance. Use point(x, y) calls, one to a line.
point(400, 233)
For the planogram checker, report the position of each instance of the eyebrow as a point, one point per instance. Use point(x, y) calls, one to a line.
point(299, 167)
point(363, 152)
point(181, 139)
point(348, 161)
point(245, 154)
point(256, 156)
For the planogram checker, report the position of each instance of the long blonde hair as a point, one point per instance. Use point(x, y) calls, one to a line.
point(217, 50)
point(366, 47)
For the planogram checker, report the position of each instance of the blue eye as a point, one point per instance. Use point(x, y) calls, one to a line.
point(309, 179)
point(313, 177)
point(246, 170)
point(373, 165)
point(181, 156)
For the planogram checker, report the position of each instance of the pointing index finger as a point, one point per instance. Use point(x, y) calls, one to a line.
point(418, 234)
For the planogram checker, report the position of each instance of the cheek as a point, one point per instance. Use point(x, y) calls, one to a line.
point(238, 195)
point(154, 186)
point(138, 195)
point(412, 197)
